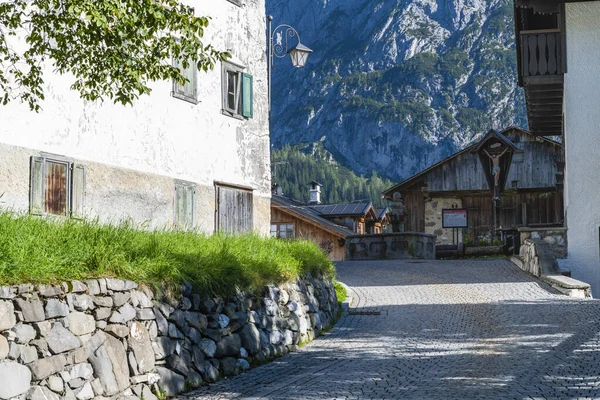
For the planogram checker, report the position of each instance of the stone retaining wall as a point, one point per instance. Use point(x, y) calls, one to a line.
point(109, 338)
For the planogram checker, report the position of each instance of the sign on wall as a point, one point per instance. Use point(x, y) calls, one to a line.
point(454, 218)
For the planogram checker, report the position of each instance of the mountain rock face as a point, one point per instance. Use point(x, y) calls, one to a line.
point(396, 85)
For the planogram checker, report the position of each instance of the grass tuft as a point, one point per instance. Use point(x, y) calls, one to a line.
point(340, 292)
point(38, 250)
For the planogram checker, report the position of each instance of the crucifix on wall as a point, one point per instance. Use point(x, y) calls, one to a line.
point(495, 156)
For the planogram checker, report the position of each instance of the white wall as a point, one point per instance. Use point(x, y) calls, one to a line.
point(582, 141)
point(160, 134)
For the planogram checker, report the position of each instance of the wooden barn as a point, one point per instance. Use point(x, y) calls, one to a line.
point(504, 181)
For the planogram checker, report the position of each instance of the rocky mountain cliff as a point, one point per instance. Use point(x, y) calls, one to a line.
point(396, 85)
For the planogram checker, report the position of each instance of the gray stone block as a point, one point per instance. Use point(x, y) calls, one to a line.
point(60, 340)
point(41, 393)
point(45, 367)
point(24, 333)
point(7, 292)
point(140, 344)
point(103, 301)
point(109, 360)
point(7, 315)
point(78, 287)
point(228, 346)
point(250, 337)
point(171, 382)
point(56, 308)
point(93, 287)
point(50, 291)
point(208, 347)
point(119, 331)
point(120, 298)
point(83, 302)
point(81, 323)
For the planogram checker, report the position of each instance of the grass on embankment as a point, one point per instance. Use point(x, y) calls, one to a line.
point(48, 251)
point(340, 292)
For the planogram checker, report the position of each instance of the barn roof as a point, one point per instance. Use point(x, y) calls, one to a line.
point(343, 210)
point(309, 215)
point(471, 148)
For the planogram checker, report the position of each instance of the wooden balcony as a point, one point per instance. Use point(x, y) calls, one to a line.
point(541, 73)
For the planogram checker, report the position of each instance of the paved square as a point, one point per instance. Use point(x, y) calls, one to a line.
point(447, 330)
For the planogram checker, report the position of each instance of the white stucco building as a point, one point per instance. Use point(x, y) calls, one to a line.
point(194, 156)
point(562, 98)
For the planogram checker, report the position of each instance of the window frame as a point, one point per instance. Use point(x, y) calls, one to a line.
point(70, 167)
point(186, 225)
point(278, 226)
point(193, 98)
point(238, 70)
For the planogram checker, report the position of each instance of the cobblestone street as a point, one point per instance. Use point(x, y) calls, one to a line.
point(447, 330)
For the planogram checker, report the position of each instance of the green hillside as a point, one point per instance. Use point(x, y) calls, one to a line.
point(294, 167)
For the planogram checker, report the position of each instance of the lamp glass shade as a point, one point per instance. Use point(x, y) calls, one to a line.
point(299, 55)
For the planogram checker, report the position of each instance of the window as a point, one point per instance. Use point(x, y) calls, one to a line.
point(57, 187)
point(234, 213)
point(187, 91)
point(237, 91)
point(283, 231)
point(185, 205)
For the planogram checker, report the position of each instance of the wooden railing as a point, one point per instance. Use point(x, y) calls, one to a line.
point(542, 53)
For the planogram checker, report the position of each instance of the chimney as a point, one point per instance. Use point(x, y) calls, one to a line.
point(315, 193)
point(277, 190)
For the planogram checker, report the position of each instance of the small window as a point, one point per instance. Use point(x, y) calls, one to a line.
point(185, 205)
point(57, 187)
point(283, 231)
point(237, 92)
point(187, 91)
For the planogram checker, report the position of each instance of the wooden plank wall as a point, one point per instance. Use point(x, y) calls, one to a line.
point(305, 230)
point(541, 208)
point(534, 168)
point(414, 208)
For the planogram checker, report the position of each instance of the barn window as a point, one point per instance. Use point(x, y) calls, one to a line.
point(238, 91)
point(283, 230)
point(234, 211)
point(189, 90)
point(57, 187)
point(185, 205)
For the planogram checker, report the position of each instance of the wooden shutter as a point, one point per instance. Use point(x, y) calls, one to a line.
point(234, 210)
point(78, 191)
point(36, 197)
point(187, 91)
point(177, 87)
point(56, 199)
point(247, 95)
point(185, 205)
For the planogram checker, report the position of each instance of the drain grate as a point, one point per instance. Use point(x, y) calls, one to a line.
point(364, 312)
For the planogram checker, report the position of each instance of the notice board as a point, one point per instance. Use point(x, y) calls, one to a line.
point(454, 218)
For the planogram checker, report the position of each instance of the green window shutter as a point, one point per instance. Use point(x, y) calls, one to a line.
point(190, 206)
point(247, 95)
point(185, 205)
point(36, 195)
point(78, 191)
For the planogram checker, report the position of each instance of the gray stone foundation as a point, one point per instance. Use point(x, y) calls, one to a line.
point(405, 245)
